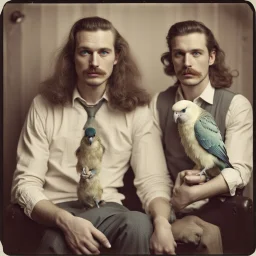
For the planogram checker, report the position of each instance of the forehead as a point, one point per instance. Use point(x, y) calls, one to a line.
point(95, 39)
point(189, 42)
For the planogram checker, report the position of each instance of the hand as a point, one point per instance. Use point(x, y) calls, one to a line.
point(191, 177)
point(183, 193)
point(187, 230)
point(82, 237)
point(162, 241)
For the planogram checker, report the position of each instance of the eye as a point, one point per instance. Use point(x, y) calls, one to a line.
point(178, 54)
point(183, 110)
point(84, 52)
point(104, 52)
point(196, 54)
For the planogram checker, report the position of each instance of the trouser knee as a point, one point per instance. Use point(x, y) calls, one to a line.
point(137, 223)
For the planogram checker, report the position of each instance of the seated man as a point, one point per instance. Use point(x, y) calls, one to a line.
point(197, 61)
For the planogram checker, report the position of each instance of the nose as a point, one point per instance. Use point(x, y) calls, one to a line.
point(94, 62)
point(187, 60)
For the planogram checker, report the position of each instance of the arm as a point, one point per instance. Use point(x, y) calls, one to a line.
point(152, 180)
point(239, 143)
point(32, 157)
point(185, 194)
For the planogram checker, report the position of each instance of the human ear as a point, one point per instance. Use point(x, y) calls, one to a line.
point(212, 57)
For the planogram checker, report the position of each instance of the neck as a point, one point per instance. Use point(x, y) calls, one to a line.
point(91, 94)
point(192, 92)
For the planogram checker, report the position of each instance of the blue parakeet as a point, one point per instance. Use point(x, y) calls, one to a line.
point(200, 137)
point(89, 156)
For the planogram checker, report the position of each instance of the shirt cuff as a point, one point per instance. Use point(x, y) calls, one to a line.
point(28, 198)
point(232, 178)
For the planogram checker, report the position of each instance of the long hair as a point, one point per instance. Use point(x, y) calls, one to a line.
point(219, 75)
point(124, 90)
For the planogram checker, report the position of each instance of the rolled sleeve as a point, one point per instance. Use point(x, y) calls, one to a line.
point(232, 178)
point(148, 162)
point(32, 158)
point(239, 143)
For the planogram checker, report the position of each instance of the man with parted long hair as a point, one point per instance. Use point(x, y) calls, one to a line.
point(95, 66)
point(195, 58)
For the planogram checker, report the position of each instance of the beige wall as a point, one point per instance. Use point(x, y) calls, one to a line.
point(29, 48)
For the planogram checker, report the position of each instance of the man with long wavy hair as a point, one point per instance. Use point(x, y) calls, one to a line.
point(94, 66)
point(195, 58)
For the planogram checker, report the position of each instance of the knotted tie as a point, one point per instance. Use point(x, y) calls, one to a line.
point(91, 111)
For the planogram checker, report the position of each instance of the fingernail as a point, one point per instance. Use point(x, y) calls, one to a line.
point(108, 245)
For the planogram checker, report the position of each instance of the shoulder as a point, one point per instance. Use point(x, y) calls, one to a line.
point(240, 111)
point(42, 106)
point(239, 102)
point(40, 101)
point(153, 101)
point(141, 111)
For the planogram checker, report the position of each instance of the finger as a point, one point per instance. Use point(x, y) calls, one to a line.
point(84, 250)
point(192, 172)
point(91, 247)
point(76, 250)
point(169, 250)
point(178, 181)
point(195, 179)
point(95, 243)
point(101, 238)
point(158, 252)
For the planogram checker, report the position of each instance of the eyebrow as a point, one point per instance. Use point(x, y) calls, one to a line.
point(192, 50)
point(89, 49)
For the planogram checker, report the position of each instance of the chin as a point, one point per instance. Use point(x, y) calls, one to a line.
point(95, 83)
point(191, 82)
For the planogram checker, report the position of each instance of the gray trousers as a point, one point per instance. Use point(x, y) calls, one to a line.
point(128, 232)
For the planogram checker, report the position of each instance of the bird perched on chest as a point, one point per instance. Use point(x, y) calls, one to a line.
point(200, 137)
point(89, 158)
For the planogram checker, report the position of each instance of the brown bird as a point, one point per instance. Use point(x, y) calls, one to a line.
point(89, 155)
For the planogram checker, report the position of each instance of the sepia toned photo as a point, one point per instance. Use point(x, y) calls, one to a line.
point(128, 128)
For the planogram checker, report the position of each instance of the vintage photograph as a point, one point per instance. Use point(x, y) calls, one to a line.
point(128, 128)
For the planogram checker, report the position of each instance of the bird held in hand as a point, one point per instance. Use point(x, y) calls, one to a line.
point(89, 156)
point(200, 137)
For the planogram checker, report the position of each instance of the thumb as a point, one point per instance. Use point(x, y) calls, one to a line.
point(101, 238)
point(179, 180)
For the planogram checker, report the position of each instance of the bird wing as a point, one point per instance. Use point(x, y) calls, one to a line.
point(208, 136)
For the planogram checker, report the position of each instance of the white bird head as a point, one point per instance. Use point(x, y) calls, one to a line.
point(185, 111)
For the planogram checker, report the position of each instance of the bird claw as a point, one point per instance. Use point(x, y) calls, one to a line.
point(203, 172)
point(86, 174)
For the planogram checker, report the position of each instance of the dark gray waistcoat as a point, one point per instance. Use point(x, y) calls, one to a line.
point(175, 155)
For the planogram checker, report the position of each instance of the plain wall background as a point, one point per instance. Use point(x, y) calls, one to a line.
point(29, 49)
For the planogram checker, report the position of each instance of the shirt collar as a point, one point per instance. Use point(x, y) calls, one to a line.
point(207, 95)
point(77, 95)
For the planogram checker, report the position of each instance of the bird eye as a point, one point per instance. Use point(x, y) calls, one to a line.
point(183, 110)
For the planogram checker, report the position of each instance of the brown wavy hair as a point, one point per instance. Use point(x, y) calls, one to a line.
point(124, 88)
point(220, 76)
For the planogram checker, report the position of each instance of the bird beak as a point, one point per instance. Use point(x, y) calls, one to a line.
point(90, 140)
point(176, 116)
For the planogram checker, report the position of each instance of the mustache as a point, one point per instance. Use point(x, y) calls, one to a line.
point(95, 70)
point(190, 71)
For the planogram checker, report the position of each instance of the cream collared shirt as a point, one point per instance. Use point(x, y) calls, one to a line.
point(46, 161)
point(238, 138)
